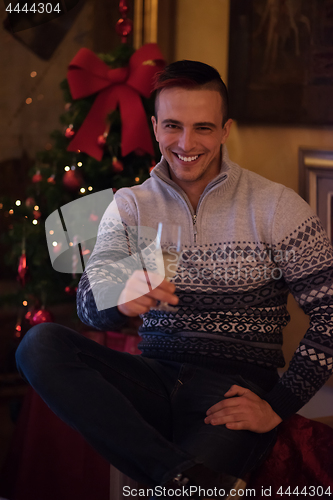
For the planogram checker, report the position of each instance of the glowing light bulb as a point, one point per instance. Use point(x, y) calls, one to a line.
point(11, 211)
point(28, 100)
point(18, 203)
point(35, 222)
point(90, 188)
point(79, 164)
point(67, 168)
point(137, 179)
point(82, 190)
point(51, 232)
point(36, 207)
point(25, 303)
point(33, 74)
point(54, 243)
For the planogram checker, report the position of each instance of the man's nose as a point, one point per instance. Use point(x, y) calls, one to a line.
point(186, 140)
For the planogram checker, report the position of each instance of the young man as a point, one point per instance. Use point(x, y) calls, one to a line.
point(201, 405)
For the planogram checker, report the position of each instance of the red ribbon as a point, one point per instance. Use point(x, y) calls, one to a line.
point(87, 75)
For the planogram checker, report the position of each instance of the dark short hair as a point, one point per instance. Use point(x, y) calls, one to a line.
point(191, 75)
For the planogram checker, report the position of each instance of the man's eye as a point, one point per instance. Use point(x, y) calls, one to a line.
point(204, 129)
point(171, 125)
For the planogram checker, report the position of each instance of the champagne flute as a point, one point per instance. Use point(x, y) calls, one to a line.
point(169, 242)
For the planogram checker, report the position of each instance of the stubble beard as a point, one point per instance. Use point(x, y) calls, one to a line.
point(189, 177)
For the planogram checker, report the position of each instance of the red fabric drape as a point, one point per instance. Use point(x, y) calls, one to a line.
point(302, 457)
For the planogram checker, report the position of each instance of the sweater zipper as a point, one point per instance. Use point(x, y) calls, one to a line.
point(194, 216)
point(194, 220)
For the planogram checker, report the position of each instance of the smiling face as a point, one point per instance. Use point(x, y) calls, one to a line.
point(190, 133)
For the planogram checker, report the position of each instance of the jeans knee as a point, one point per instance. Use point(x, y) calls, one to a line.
point(31, 346)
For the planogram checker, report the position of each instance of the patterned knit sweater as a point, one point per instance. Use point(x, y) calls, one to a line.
point(250, 243)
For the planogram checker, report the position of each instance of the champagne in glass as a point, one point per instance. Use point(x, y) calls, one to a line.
point(169, 241)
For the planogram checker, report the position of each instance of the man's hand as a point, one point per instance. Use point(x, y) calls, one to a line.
point(247, 411)
point(136, 286)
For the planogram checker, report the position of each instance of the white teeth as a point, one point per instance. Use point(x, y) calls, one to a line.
point(187, 158)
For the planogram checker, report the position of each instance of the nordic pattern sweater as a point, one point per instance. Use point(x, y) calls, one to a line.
point(250, 243)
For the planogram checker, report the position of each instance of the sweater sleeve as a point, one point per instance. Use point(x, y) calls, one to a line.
point(305, 257)
point(112, 261)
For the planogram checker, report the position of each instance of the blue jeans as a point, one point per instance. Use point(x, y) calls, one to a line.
point(145, 416)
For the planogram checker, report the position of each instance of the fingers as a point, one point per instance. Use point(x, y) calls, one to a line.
point(245, 412)
point(137, 307)
point(234, 390)
point(227, 411)
point(137, 298)
point(164, 292)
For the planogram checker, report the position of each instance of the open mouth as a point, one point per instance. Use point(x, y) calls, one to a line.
point(187, 159)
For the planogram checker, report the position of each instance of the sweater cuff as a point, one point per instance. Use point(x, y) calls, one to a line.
point(283, 401)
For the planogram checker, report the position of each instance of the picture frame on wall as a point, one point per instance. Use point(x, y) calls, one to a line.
point(316, 184)
point(280, 61)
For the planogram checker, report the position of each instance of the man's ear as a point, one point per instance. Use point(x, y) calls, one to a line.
point(154, 122)
point(226, 130)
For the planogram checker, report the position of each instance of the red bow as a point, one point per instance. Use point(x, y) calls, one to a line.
point(87, 74)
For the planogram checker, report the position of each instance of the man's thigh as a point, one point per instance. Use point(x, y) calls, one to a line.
point(51, 349)
point(234, 452)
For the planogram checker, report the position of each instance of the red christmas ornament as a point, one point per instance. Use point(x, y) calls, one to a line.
point(117, 165)
point(22, 269)
point(42, 316)
point(72, 180)
point(37, 214)
point(56, 249)
point(30, 314)
point(114, 190)
point(30, 202)
point(69, 133)
point(123, 7)
point(18, 329)
point(124, 28)
point(37, 177)
point(51, 179)
point(101, 140)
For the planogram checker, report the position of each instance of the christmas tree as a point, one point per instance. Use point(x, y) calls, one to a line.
point(106, 142)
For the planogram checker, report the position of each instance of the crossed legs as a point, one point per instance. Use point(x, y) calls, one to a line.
point(144, 416)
